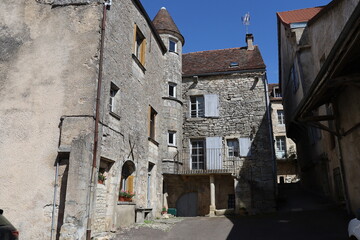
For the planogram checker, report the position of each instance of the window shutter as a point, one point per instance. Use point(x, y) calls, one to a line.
point(130, 184)
point(213, 153)
point(211, 105)
point(134, 39)
point(245, 147)
point(143, 51)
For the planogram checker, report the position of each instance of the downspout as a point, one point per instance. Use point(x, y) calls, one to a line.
point(54, 199)
point(266, 92)
point(91, 200)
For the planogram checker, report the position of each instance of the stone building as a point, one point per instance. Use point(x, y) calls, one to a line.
point(319, 79)
point(82, 96)
point(285, 148)
point(93, 90)
point(226, 163)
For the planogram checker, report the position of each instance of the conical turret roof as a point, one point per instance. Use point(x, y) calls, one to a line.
point(164, 23)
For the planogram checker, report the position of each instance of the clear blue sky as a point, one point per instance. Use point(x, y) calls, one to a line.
point(215, 24)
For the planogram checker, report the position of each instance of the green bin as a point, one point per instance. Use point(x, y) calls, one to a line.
point(172, 211)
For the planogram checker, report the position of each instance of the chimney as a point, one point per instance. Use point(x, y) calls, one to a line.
point(250, 41)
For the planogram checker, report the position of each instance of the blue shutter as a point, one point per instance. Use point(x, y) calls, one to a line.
point(213, 153)
point(245, 147)
point(211, 105)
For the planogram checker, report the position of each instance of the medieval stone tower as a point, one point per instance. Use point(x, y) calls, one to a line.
point(172, 125)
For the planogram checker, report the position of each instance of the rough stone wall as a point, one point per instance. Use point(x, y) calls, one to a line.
point(242, 113)
point(46, 53)
point(172, 106)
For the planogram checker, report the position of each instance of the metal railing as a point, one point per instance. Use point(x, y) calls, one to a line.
point(205, 160)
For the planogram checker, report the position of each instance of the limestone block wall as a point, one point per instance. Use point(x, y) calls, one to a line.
point(242, 113)
point(46, 54)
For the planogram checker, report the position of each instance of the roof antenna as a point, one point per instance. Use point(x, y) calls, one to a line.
point(246, 21)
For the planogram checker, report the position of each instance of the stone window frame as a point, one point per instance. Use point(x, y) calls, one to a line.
point(139, 45)
point(173, 48)
point(200, 157)
point(172, 88)
point(280, 146)
point(197, 106)
point(280, 117)
point(172, 138)
point(114, 100)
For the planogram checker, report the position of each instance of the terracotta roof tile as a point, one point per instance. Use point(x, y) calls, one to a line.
point(300, 15)
point(164, 23)
point(215, 61)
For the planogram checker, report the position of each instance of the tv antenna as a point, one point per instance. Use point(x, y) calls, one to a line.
point(246, 21)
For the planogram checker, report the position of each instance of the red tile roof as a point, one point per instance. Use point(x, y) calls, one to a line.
point(216, 61)
point(300, 15)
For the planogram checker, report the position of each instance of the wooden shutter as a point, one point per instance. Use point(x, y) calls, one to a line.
point(245, 147)
point(211, 105)
point(143, 51)
point(130, 184)
point(134, 40)
point(213, 153)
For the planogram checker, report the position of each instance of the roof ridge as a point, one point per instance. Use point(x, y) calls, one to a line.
point(214, 50)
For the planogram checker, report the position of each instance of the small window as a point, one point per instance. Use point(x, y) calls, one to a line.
point(294, 78)
point(280, 147)
point(277, 92)
point(172, 46)
point(172, 90)
point(152, 122)
point(280, 116)
point(196, 106)
point(172, 138)
point(113, 95)
point(233, 147)
point(139, 45)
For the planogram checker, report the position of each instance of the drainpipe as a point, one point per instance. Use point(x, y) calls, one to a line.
point(266, 92)
point(91, 200)
point(54, 199)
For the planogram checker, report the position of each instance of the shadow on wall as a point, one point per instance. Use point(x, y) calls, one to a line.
point(255, 189)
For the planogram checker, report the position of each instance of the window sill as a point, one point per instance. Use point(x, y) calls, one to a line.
point(153, 141)
point(172, 146)
point(139, 63)
point(174, 99)
point(174, 52)
point(114, 115)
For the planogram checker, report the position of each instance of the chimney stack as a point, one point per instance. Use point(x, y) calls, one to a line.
point(250, 41)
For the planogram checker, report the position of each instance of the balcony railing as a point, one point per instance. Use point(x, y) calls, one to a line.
point(204, 161)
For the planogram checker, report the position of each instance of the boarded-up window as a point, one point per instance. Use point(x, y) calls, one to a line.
point(213, 153)
point(211, 105)
point(245, 147)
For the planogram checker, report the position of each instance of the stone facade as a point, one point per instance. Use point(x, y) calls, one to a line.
point(320, 98)
point(285, 148)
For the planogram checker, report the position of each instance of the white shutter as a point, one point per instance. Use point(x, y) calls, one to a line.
point(213, 153)
point(211, 105)
point(245, 147)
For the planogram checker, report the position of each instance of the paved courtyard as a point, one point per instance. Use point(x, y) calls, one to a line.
point(300, 216)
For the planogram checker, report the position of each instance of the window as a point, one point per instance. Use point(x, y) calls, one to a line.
point(172, 138)
point(196, 106)
point(112, 101)
point(233, 147)
point(280, 116)
point(172, 46)
point(152, 118)
point(197, 154)
point(280, 147)
point(172, 90)
point(139, 45)
point(277, 92)
point(294, 78)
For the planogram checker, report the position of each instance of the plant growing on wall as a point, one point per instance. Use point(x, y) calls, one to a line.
point(126, 194)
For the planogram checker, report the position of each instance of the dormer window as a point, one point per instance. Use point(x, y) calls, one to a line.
point(172, 45)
